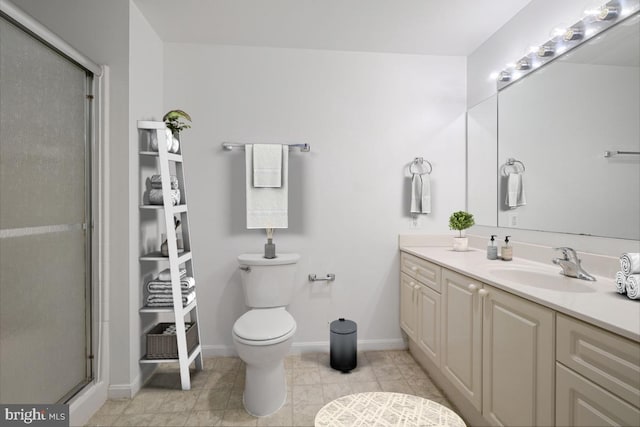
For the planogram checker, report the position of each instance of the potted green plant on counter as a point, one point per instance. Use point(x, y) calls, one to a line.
point(460, 221)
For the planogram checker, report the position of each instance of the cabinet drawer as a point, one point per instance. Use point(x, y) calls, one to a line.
point(425, 272)
point(581, 403)
point(605, 358)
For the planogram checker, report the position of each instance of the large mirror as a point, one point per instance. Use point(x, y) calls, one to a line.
point(554, 127)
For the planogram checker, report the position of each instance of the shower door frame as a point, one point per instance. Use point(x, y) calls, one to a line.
point(96, 204)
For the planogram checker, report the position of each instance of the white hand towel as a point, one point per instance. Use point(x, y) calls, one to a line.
point(633, 286)
point(621, 283)
point(630, 263)
point(267, 165)
point(267, 207)
point(165, 275)
point(515, 191)
point(420, 193)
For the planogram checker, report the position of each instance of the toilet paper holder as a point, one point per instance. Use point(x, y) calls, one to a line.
point(328, 278)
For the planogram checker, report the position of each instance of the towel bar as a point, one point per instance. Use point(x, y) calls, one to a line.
point(617, 152)
point(228, 146)
point(328, 278)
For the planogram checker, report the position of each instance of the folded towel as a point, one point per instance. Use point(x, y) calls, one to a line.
point(165, 275)
point(633, 286)
point(515, 191)
point(164, 287)
point(155, 196)
point(156, 182)
point(630, 263)
point(267, 165)
point(267, 207)
point(167, 300)
point(420, 193)
point(621, 282)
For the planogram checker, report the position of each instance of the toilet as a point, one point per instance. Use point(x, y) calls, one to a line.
point(263, 335)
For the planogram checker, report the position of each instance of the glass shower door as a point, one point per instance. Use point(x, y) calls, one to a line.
point(45, 266)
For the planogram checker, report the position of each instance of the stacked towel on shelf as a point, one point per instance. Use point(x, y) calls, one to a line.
point(164, 287)
point(628, 278)
point(156, 182)
point(155, 196)
point(166, 300)
point(165, 275)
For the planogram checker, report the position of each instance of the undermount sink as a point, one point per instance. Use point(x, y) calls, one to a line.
point(539, 278)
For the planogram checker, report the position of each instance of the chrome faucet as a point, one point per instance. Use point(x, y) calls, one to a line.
point(571, 264)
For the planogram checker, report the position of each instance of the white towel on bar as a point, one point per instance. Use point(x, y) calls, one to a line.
point(621, 283)
point(633, 286)
point(420, 193)
point(515, 191)
point(267, 165)
point(267, 207)
point(630, 263)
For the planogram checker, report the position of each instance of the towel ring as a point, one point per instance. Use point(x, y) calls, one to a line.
point(512, 162)
point(419, 161)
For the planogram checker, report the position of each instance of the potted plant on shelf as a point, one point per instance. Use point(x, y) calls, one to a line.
point(460, 221)
point(172, 121)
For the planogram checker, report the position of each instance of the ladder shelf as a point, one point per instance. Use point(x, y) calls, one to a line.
point(168, 163)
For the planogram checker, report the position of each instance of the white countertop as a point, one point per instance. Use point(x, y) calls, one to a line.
point(596, 302)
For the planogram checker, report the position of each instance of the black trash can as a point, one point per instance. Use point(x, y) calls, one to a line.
point(343, 345)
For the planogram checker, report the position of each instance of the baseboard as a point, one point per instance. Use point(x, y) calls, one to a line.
point(312, 347)
point(86, 403)
point(125, 391)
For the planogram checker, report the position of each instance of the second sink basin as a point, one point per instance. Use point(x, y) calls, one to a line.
point(540, 278)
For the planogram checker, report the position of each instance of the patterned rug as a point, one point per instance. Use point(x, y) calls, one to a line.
point(385, 409)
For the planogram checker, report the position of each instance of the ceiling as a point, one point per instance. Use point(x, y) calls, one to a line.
point(430, 27)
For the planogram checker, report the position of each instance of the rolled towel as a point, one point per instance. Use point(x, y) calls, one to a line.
point(165, 275)
point(630, 263)
point(156, 182)
point(155, 196)
point(621, 283)
point(633, 286)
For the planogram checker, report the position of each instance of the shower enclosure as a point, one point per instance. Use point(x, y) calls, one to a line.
point(45, 220)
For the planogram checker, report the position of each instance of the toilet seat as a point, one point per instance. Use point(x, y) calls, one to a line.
point(264, 326)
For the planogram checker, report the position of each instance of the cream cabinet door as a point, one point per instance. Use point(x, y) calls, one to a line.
point(408, 321)
point(518, 360)
point(462, 335)
point(428, 331)
point(579, 402)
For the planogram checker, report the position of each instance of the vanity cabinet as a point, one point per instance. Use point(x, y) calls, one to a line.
point(495, 348)
point(598, 376)
point(420, 304)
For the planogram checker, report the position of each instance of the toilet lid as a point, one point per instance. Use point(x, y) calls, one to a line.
point(264, 324)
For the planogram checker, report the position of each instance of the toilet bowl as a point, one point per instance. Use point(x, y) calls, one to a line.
point(262, 338)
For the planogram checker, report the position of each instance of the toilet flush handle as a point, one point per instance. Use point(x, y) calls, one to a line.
point(245, 268)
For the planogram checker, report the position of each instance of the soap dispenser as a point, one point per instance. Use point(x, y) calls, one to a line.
point(492, 249)
point(507, 251)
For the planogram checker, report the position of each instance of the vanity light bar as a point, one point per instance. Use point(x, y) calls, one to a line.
point(593, 23)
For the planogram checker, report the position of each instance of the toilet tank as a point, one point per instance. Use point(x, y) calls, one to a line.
point(268, 282)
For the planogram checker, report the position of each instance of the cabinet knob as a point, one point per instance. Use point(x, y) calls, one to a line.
point(483, 293)
point(416, 287)
point(472, 287)
point(414, 268)
point(412, 283)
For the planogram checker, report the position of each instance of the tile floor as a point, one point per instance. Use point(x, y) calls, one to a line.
point(215, 398)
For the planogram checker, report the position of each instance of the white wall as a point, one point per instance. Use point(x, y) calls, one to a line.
point(531, 26)
point(146, 51)
point(366, 116)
